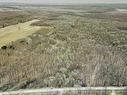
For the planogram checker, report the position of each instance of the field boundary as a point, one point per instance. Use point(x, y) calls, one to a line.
point(45, 90)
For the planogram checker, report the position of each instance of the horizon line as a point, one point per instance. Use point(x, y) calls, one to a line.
point(64, 3)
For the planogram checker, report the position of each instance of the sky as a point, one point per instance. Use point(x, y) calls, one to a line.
point(66, 1)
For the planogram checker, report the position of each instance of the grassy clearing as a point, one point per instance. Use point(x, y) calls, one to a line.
point(15, 32)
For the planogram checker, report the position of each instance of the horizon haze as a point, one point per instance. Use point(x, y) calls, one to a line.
point(63, 1)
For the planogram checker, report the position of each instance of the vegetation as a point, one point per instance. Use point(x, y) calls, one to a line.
point(77, 51)
point(12, 18)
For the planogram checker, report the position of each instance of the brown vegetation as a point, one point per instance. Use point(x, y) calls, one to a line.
point(78, 51)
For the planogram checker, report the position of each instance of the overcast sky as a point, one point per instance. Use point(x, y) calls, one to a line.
point(66, 1)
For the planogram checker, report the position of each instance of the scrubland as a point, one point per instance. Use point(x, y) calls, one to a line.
point(78, 51)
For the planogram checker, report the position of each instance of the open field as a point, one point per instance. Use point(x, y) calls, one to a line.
point(15, 32)
point(70, 46)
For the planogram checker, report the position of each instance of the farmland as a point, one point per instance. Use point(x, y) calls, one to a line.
point(63, 46)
